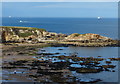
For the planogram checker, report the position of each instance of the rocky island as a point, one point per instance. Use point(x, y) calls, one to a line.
point(31, 35)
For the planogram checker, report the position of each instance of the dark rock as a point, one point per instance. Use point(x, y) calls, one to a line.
point(113, 70)
point(108, 66)
point(47, 53)
point(48, 72)
point(87, 70)
point(57, 53)
point(114, 59)
point(19, 63)
point(60, 49)
point(8, 54)
point(108, 62)
point(59, 65)
point(21, 53)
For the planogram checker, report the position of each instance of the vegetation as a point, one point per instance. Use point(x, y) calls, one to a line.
point(25, 34)
point(29, 28)
point(76, 34)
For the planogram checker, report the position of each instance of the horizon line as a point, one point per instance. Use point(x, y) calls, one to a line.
point(53, 17)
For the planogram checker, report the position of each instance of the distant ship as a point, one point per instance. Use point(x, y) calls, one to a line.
point(98, 18)
point(21, 21)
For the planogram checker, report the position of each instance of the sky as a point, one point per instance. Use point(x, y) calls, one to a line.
point(60, 0)
point(60, 9)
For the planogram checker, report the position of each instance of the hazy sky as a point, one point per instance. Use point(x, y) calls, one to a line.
point(60, 0)
point(60, 9)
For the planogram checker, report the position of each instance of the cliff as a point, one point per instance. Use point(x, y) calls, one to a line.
point(27, 34)
point(36, 35)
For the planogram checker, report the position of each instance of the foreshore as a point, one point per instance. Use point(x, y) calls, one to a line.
point(23, 58)
point(113, 43)
point(92, 44)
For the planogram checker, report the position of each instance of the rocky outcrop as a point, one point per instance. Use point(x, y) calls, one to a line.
point(20, 34)
point(86, 37)
point(28, 34)
point(35, 35)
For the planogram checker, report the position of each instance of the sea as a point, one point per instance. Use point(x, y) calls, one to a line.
point(105, 26)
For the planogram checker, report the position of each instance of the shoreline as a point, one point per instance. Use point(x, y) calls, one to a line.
point(20, 53)
point(34, 36)
point(66, 44)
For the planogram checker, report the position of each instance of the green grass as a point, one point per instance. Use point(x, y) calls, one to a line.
point(76, 35)
point(25, 34)
point(29, 28)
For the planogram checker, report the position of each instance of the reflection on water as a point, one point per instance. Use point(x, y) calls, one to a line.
point(105, 52)
point(49, 61)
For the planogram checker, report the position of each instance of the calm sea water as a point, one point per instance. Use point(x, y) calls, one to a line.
point(105, 26)
point(105, 52)
point(85, 51)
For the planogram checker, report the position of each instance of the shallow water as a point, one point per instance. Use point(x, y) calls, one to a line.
point(104, 52)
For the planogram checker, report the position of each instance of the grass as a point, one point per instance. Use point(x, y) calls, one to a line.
point(76, 34)
point(25, 34)
point(30, 28)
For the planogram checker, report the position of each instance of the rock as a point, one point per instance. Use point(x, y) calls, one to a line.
point(108, 66)
point(108, 62)
point(31, 48)
point(113, 70)
point(48, 72)
point(57, 53)
point(114, 59)
point(99, 56)
point(88, 36)
point(36, 35)
point(59, 65)
point(45, 33)
point(60, 49)
point(21, 53)
point(87, 70)
point(19, 63)
point(20, 34)
point(8, 54)
point(47, 53)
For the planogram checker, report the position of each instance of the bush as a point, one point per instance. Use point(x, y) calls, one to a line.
point(76, 34)
point(25, 34)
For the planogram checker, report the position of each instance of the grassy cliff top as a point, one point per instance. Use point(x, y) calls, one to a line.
point(29, 28)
